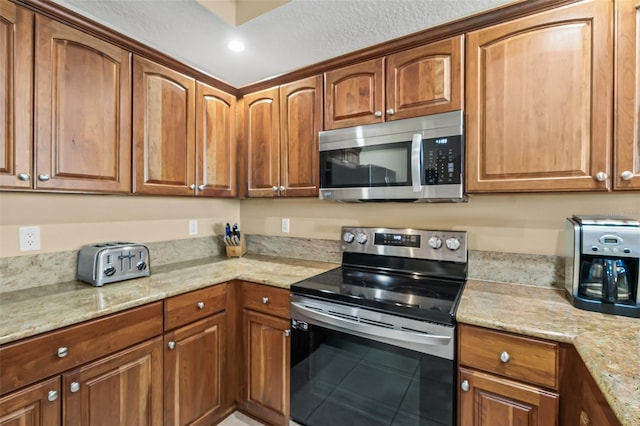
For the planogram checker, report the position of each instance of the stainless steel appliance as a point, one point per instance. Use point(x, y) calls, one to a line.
point(104, 263)
point(416, 159)
point(602, 270)
point(373, 342)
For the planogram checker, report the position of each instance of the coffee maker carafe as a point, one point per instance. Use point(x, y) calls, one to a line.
point(602, 265)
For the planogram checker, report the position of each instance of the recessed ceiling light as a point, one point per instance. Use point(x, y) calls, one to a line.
point(236, 45)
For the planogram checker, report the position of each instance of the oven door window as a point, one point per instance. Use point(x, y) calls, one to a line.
point(367, 167)
point(340, 379)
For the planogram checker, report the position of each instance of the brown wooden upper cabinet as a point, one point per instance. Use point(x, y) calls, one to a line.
point(281, 136)
point(627, 112)
point(419, 81)
point(183, 134)
point(82, 108)
point(539, 102)
point(16, 91)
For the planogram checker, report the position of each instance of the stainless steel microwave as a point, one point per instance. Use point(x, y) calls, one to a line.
point(417, 159)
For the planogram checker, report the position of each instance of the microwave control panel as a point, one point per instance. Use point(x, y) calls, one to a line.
point(442, 160)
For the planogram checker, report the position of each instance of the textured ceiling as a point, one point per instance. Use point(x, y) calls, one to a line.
point(300, 33)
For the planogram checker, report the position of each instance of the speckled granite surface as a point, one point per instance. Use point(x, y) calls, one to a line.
point(609, 345)
point(36, 310)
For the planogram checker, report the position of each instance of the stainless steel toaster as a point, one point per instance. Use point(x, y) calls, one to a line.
point(104, 263)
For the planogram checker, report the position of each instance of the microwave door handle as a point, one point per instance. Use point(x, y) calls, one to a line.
point(351, 327)
point(416, 160)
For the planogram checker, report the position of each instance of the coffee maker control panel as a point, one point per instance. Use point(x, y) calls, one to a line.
point(605, 241)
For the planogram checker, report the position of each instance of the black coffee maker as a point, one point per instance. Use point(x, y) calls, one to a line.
point(602, 265)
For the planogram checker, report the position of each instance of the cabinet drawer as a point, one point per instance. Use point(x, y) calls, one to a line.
point(266, 299)
point(530, 360)
point(29, 360)
point(189, 307)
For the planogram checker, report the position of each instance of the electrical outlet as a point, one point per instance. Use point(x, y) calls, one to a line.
point(193, 227)
point(285, 225)
point(29, 238)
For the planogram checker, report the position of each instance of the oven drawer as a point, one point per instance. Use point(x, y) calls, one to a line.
point(189, 307)
point(523, 358)
point(266, 299)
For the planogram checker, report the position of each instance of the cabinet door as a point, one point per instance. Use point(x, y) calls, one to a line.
point(16, 91)
point(37, 405)
point(300, 122)
point(491, 400)
point(195, 356)
point(539, 102)
point(266, 367)
point(121, 389)
point(215, 142)
point(627, 135)
point(262, 138)
point(425, 80)
point(595, 409)
point(354, 95)
point(163, 130)
point(82, 111)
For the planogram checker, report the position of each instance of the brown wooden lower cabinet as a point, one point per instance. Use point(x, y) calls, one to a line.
point(488, 400)
point(36, 405)
point(124, 388)
point(195, 361)
point(266, 355)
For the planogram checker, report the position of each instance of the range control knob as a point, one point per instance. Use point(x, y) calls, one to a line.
point(348, 237)
point(109, 271)
point(142, 265)
point(453, 244)
point(362, 238)
point(435, 242)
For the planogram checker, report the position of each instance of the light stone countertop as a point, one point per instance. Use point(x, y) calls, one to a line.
point(609, 345)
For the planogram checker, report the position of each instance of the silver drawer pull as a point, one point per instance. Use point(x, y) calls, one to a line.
point(43, 177)
point(505, 357)
point(63, 351)
point(52, 395)
point(201, 187)
point(601, 176)
point(171, 344)
point(24, 177)
point(626, 175)
point(464, 386)
point(200, 305)
point(378, 113)
point(287, 333)
point(265, 300)
point(75, 387)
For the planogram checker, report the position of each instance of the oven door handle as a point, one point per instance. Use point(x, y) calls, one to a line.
point(354, 327)
point(416, 157)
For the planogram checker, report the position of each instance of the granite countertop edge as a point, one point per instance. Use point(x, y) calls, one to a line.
point(528, 310)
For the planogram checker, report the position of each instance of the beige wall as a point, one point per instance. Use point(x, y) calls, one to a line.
point(67, 221)
point(521, 223)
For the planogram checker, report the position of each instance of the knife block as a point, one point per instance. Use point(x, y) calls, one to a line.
point(237, 251)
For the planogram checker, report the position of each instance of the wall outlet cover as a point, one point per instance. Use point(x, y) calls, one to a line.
point(29, 238)
point(285, 225)
point(193, 227)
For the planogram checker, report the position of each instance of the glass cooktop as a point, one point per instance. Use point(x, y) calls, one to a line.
point(409, 295)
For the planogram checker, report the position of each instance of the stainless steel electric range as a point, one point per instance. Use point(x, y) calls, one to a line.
point(373, 342)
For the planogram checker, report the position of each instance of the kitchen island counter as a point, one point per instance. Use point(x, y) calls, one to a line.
point(609, 345)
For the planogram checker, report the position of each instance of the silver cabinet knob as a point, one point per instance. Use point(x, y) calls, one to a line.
point(52, 395)
point(265, 300)
point(281, 188)
point(274, 188)
point(505, 357)
point(74, 387)
point(171, 345)
point(43, 177)
point(601, 176)
point(192, 186)
point(24, 177)
point(464, 386)
point(378, 113)
point(626, 175)
point(63, 351)
point(200, 305)
point(201, 187)
point(391, 111)
point(287, 333)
